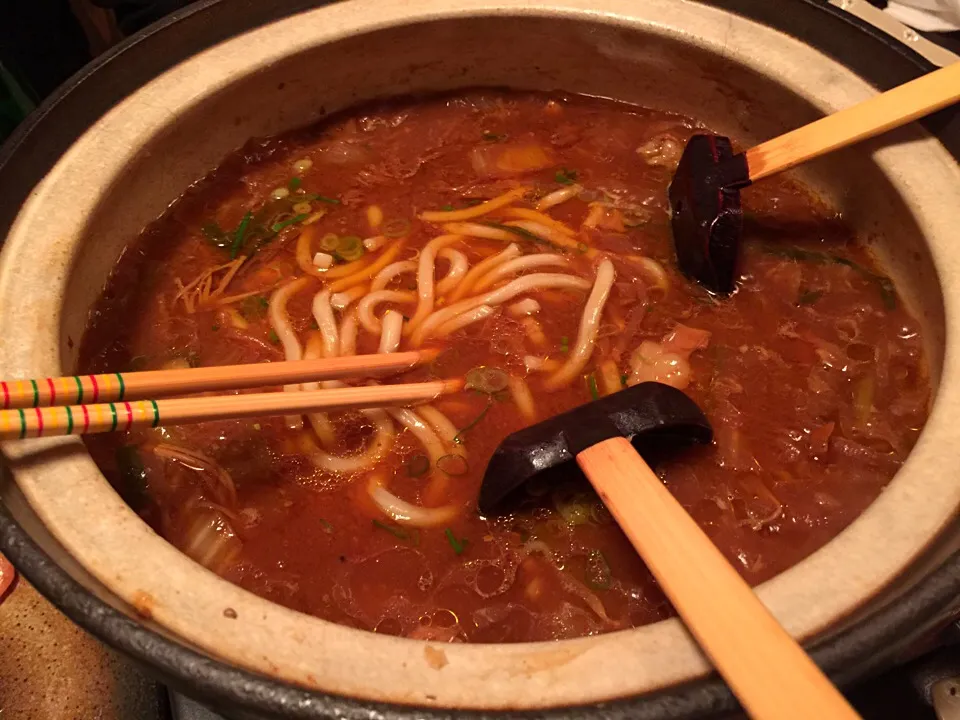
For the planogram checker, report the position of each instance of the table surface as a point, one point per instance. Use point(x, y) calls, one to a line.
point(52, 670)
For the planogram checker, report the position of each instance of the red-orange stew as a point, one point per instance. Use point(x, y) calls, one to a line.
point(526, 237)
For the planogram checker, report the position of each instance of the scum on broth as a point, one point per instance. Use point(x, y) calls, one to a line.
point(526, 238)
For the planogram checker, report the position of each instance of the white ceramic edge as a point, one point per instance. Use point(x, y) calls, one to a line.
point(313, 653)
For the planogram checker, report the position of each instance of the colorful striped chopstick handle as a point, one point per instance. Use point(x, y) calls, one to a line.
point(77, 419)
point(60, 391)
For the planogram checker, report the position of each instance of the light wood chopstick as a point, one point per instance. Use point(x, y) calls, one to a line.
point(768, 671)
point(124, 415)
point(117, 387)
point(883, 112)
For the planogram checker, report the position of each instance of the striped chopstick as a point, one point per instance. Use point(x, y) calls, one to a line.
point(124, 415)
point(118, 387)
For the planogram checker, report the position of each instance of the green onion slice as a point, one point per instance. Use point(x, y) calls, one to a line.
point(418, 465)
point(458, 438)
point(278, 226)
point(349, 248)
point(396, 228)
point(396, 531)
point(458, 545)
point(487, 379)
point(239, 234)
point(329, 242)
point(598, 574)
point(592, 386)
point(453, 465)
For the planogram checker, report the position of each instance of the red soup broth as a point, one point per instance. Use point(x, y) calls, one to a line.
point(811, 374)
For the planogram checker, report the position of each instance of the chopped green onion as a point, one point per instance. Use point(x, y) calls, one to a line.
point(592, 386)
point(564, 344)
point(302, 208)
point(487, 379)
point(623, 379)
point(329, 242)
point(396, 228)
point(598, 574)
point(273, 337)
point(517, 231)
point(215, 234)
point(582, 247)
point(327, 527)
point(884, 285)
point(574, 509)
point(294, 183)
point(418, 465)
point(447, 208)
point(215, 328)
point(413, 535)
point(566, 177)
point(493, 137)
point(254, 307)
point(278, 226)
point(457, 439)
point(349, 248)
point(322, 198)
point(458, 545)
point(397, 532)
point(453, 465)
point(239, 234)
point(887, 292)
point(809, 297)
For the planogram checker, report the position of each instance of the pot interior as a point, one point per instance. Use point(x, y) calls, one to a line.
point(736, 76)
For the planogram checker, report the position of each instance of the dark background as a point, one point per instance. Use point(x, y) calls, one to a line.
point(43, 42)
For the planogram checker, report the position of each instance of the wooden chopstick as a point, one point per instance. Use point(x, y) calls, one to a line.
point(117, 387)
point(124, 415)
